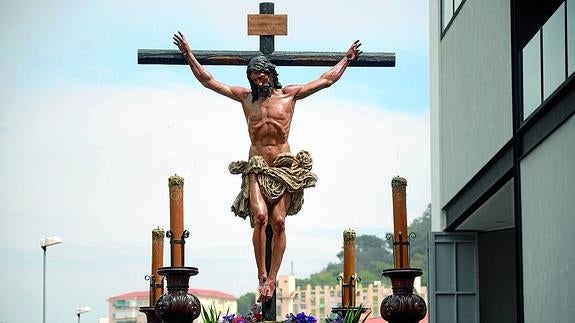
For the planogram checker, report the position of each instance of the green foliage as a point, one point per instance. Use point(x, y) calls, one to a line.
point(245, 302)
point(373, 254)
point(211, 315)
point(418, 247)
point(353, 315)
point(369, 248)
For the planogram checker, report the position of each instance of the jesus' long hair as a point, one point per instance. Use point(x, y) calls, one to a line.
point(263, 64)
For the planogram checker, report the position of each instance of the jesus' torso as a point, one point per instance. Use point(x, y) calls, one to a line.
point(269, 121)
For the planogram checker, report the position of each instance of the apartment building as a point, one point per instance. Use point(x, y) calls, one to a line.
point(124, 308)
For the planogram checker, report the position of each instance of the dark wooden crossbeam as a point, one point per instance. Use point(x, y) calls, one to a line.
point(279, 58)
point(265, 24)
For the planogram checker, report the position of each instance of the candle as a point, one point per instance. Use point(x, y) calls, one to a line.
point(400, 235)
point(176, 185)
point(348, 283)
point(157, 288)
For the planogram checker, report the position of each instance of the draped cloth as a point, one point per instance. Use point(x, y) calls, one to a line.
point(287, 173)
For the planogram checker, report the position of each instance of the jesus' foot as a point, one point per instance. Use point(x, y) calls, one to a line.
point(267, 290)
point(261, 289)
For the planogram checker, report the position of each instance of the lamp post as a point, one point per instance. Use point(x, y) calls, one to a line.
point(81, 310)
point(44, 243)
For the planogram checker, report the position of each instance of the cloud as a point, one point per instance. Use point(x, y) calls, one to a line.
point(109, 152)
point(101, 158)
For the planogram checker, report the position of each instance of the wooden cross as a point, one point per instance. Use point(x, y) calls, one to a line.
point(266, 25)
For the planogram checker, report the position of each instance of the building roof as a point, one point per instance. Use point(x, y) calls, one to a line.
point(195, 291)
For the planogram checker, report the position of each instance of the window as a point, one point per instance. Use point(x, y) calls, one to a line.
point(570, 36)
point(549, 57)
point(446, 13)
point(449, 9)
point(532, 75)
point(554, 52)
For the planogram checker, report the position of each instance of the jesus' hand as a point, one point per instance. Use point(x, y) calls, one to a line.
point(353, 52)
point(180, 41)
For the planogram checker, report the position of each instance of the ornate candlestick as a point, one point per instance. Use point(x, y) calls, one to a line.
point(400, 242)
point(349, 277)
point(156, 281)
point(177, 305)
point(403, 306)
point(176, 232)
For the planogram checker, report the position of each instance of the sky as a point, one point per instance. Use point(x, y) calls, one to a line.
point(88, 139)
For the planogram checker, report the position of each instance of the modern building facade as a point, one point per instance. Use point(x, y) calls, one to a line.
point(503, 161)
point(125, 308)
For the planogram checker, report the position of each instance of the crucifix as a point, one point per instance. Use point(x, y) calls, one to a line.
point(272, 180)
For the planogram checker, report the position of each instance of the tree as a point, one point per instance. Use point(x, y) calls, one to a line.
point(369, 248)
point(418, 247)
point(245, 303)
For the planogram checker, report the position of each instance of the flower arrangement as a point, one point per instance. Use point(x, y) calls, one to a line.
point(255, 315)
point(211, 315)
point(352, 315)
point(300, 318)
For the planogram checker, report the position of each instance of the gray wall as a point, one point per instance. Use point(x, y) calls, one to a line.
point(475, 95)
point(497, 287)
point(548, 221)
point(434, 120)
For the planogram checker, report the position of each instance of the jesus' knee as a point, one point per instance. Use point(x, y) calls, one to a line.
point(278, 225)
point(260, 216)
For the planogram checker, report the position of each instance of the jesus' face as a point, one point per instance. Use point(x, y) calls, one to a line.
point(260, 78)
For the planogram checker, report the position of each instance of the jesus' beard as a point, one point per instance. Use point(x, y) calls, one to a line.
point(263, 91)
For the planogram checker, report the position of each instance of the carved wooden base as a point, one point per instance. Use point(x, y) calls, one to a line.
point(403, 306)
point(177, 306)
point(150, 312)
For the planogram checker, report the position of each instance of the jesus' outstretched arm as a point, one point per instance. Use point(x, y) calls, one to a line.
point(202, 74)
point(330, 77)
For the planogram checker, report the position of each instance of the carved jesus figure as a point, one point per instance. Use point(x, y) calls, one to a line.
point(272, 179)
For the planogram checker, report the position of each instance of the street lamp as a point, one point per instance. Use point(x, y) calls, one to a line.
point(44, 243)
point(81, 310)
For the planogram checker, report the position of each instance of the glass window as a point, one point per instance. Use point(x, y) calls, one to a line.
point(457, 3)
point(554, 51)
point(531, 75)
point(571, 36)
point(447, 12)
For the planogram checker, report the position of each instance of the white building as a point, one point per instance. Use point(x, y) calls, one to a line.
point(503, 161)
point(125, 308)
